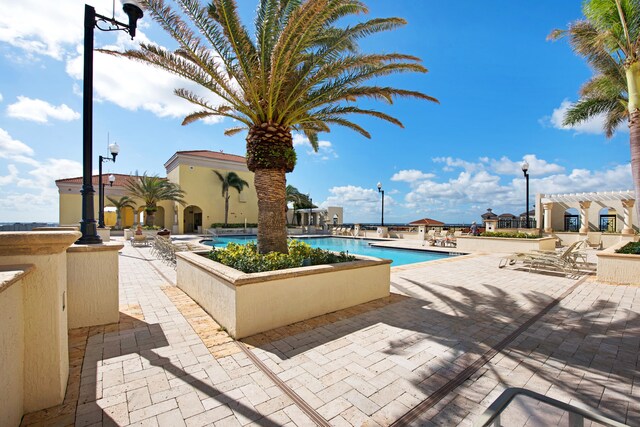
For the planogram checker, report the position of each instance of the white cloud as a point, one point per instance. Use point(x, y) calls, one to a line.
point(594, 125)
point(411, 175)
point(452, 163)
point(48, 27)
point(1, 97)
point(537, 167)
point(39, 111)
point(32, 184)
point(359, 203)
point(325, 148)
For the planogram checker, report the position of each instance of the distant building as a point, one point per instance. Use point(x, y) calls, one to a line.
point(428, 222)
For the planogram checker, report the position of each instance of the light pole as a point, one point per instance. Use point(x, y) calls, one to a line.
point(93, 20)
point(114, 149)
point(380, 190)
point(525, 169)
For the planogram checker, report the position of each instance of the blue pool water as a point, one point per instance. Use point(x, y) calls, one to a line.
point(361, 247)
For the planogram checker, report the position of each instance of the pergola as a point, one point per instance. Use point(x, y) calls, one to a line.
point(584, 200)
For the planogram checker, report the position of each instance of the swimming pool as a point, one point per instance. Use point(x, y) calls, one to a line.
point(354, 246)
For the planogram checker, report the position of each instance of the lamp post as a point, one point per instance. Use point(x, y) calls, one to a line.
point(380, 190)
point(93, 20)
point(525, 169)
point(114, 149)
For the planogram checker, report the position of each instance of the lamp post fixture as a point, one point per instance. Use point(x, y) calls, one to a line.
point(114, 149)
point(93, 20)
point(380, 190)
point(525, 169)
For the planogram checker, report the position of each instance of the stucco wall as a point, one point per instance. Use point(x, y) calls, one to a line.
point(247, 304)
point(502, 244)
point(92, 284)
point(618, 268)
point(11, 350)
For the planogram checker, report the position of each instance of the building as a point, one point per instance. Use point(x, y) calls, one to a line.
point(193, 171)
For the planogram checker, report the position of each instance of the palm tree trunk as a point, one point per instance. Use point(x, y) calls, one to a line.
point(270, 186)
point(634, 140)
point(226, 208)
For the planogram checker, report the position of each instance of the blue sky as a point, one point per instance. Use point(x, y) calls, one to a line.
point(502, 89)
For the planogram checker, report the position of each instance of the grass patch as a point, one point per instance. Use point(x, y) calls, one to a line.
point(247, 259)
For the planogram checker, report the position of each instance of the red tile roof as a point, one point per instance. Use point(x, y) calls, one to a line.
point(120, 181)
point(218, 155)
point(426, 221)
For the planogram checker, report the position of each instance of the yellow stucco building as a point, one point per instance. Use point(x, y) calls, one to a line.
point(193, 171)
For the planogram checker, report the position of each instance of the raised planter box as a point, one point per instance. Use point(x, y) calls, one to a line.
point(504, 244)
point(247, 304)
point(616, 268)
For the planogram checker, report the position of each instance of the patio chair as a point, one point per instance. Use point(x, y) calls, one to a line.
point(569, 261)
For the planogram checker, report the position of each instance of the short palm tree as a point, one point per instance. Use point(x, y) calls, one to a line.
point(151, 190)
point(299, 72)
point(230, 180)
point(292, 195)
point(609, 39)
point(120, 204)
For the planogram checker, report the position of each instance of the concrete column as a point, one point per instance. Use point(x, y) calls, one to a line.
point(491, 225)
point(628, 216)
point(46, 353)
point(422, 231)
point(92, 282)
point(174, 227)
point(547, 217)
point(584, 217)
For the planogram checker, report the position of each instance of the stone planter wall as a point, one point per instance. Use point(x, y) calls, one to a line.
point(247, 304)
point(504, 244)
point(618, 268)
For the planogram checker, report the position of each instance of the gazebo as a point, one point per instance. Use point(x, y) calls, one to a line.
point(428, 222)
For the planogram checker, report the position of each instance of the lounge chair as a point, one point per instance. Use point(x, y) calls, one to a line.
point(569, 261)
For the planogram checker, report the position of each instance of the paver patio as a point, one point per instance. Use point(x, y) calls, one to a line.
point(458, 321)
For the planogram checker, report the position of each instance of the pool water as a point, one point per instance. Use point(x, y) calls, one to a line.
point(353, 246)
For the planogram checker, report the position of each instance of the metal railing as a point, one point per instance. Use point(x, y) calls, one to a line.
point(494, 416)
point(516, 223)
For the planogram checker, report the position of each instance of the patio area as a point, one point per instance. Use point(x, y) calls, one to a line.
point(453, 335)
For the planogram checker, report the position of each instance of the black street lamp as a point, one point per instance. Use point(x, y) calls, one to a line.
point(380, 190)
point(525, 169)
point(114, 149)
point(93, 20)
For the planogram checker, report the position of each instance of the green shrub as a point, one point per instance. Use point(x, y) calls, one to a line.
point(511, 235)
point(630, 248)
point(235, 225)
point(247, 259)
point(151, 227)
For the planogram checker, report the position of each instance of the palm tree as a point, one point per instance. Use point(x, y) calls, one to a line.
point(609, 40)
point(299, 72)
point(230, 180)
point(120, 204)
point(153, 189)
point(291, 195)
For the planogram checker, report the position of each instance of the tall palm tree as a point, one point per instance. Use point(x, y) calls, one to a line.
point(292, 194)
point(230, 180)
point(609, 39)
point(120, 204)
point(299, 72)
point(153, 189)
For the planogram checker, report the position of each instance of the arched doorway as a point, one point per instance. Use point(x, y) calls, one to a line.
point(571, 220)
point(192, 219)
point(607, 220)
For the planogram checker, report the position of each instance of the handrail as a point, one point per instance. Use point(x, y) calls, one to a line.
point(491, 416)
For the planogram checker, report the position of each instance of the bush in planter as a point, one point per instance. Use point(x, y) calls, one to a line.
point(511, 235)
point(630, 248)
point(235, 225)
point(247, 259)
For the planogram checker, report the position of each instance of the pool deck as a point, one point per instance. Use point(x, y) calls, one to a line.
point(454, 334)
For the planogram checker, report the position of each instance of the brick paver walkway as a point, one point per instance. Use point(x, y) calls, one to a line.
point(392, 362)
